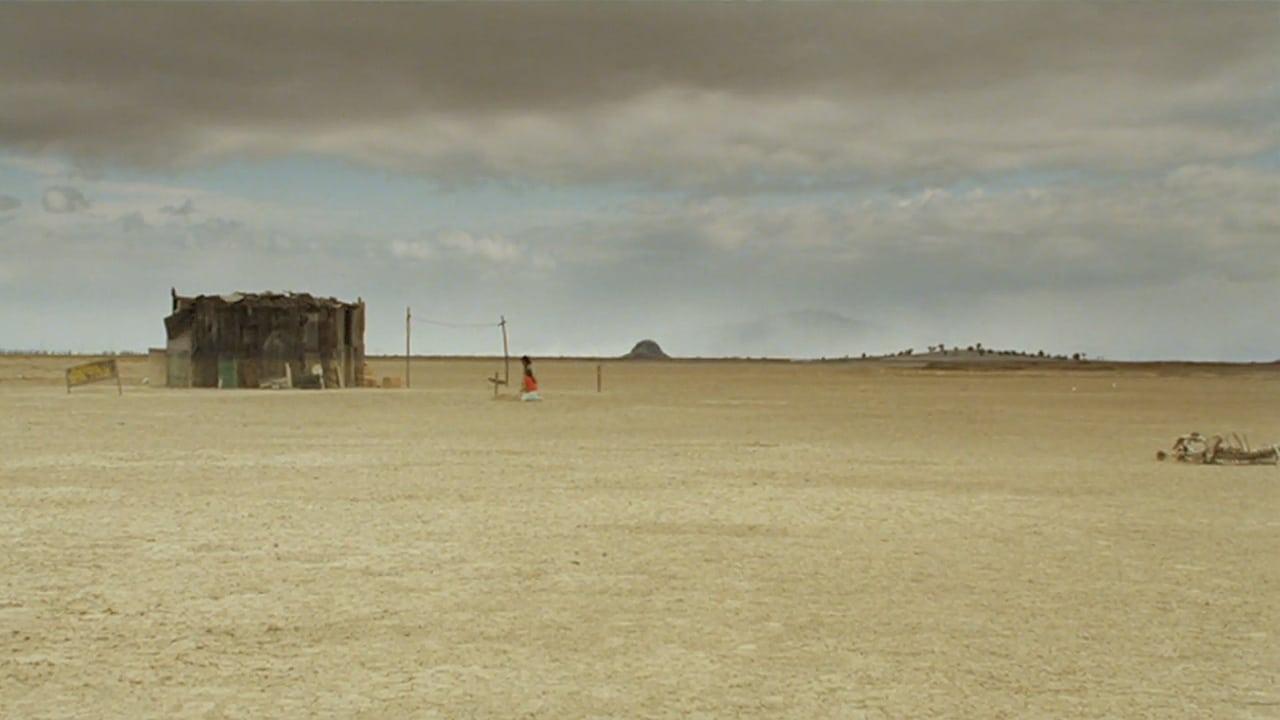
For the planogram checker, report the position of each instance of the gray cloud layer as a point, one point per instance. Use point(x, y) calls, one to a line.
point(62, 199)
point(714, 96)
point(799, 179)
point(186, 209)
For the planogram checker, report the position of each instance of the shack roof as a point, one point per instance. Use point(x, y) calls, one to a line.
point(187, 308)
point(265, 299)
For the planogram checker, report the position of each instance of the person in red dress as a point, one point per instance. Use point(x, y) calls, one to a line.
point(529, 386)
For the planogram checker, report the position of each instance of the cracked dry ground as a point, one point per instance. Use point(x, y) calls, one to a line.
point(701, 540)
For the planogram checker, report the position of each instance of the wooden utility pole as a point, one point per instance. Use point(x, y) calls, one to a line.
point(506, 356)
point(408, 317)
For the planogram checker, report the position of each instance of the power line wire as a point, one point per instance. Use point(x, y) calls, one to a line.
point(444, 323)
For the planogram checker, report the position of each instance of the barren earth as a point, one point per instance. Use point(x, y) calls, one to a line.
point(699, 540)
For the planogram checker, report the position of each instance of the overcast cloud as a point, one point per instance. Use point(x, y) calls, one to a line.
point(63, 200)
point(791, 179)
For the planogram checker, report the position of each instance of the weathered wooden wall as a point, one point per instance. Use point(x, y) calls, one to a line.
point(243, 340)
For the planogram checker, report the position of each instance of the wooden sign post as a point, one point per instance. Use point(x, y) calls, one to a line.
point(94, 372)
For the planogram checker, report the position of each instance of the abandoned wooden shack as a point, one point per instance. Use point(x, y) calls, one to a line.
point(250, 340)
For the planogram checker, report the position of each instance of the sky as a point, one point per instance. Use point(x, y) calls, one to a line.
point(792, 180)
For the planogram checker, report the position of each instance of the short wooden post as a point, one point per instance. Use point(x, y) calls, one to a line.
point(116, 367)
point(599, 379)
point(506, 354)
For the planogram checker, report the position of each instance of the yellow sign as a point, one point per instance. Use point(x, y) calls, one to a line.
point(93, 372)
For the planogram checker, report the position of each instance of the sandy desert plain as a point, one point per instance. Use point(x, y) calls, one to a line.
point(700, 540)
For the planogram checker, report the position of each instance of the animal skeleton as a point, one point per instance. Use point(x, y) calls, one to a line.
point(1217, 450)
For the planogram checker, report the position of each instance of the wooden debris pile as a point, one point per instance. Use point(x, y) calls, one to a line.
point(1197, 449)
